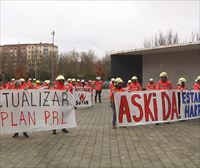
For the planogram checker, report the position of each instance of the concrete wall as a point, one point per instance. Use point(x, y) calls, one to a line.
point(176, 64)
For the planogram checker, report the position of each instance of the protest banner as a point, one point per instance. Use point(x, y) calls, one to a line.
point(82, 96)
point(147, 107)
point(190, 104)
point(35, 110)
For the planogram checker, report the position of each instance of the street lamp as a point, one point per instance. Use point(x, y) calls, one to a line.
point(53, 34)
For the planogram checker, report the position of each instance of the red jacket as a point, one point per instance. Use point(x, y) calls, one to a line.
point(114, 90)
point(151, 86)
point(135, 86)
point(180, 87)
point(196, 86)
point(98, 85)
point(164, 85)
point(60, 86)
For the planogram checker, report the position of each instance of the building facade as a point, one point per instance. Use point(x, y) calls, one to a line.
point(24, 56)
point(181, 60)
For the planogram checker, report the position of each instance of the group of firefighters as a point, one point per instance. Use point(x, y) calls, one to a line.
point(116, 85)
point(164, 83)
point(59, 84)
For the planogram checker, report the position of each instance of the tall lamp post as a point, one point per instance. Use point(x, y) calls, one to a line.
point(52, 77)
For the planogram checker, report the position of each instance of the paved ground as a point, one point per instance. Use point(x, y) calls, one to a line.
point(95, 144)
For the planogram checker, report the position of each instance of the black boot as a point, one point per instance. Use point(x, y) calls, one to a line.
point(25, 134)
point(65, 130)
point(15, 135)
point(54, 132)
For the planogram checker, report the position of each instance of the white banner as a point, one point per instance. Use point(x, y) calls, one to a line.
point(35, 110)
point(147, 107)
point(190, 104)
point(82, 96)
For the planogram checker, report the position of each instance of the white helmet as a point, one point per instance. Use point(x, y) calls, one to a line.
point(182, 80)
point(113, 80)
point(60, 77)
point(129, 81)
point(151, 80)
point(22, 79)
point(119, 80)
point(163, 74)
point(73, 80)
point(134, 78)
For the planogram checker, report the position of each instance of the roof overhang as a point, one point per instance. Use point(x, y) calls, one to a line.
point(161, 49)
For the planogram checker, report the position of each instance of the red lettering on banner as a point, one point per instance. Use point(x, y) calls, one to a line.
point(55, 116)
point(46, 116)
point(155, 107)
point(22, 118)
point(124, 109)
point(4, 115)
point(135, 118)
point(63, 122)
point(30, 118)
point(174, 106)
point(12, 120)
point(164, 96)
point(148, 112)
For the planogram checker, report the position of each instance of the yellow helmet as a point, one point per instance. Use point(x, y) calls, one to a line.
point(78, 80)
point(60, 77)
point(119, 80)
point(182, 80)
point(163, 74)
point(134, 78)
point(198, 78)
point(37, 81)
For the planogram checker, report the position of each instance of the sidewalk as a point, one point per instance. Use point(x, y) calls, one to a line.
point(95, 144)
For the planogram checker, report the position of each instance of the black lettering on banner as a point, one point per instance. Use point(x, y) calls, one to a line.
point(64, 98)
point(40, 99)
point(24, 99)
point(14, 100)
point(56, 99)
point(6, 94)
point(32, 100)
point(46, 99)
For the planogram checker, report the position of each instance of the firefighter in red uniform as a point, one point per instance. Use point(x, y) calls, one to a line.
point(118, 88)
point(197, 84)
point(135, 86)
point(38, 85)
point(128, 86)
point(72, 85)
point(12, 82)
point(82, 83)
point(111, 86)
point(164, 83)
point(47, 84)
point(89, 85)
point(18, 85)
point(181, 84)
point(151, 85)
point(98, 89)
point(23, 82)
point(78, 84)
point(61, 86)
point(29, 84)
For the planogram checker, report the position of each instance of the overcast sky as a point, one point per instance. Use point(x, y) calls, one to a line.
point(99, 25)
